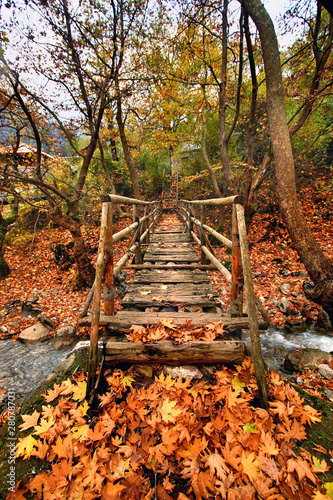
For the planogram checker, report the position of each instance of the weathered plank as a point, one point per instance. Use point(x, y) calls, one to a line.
point(193, 265)
point(164, 290)
point(125, 319)
point(170, 276)
point(177, 238)
point(219, 351)
point(153, 257)
point(133, 300)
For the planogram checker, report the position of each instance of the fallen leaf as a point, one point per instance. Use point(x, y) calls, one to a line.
point(29, 420)
point(168, 412)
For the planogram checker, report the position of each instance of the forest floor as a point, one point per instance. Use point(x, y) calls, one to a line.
point(157, 437)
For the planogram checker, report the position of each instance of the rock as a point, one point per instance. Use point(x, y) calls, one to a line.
point(281, 351)
point(46, 321)
point(325, 371)
point(283, 304)
point(186, 372)
point(144, 370)
point(299, 381)
point(328, 393)
point(305, 359)
point(294, 294)
point(297, 325)
point(285, 288)
point(270, 363)
point(324, 323)
point(63, 367)
point(3, 403)
point(64, 337)
point(3, 329)
point(34, 334)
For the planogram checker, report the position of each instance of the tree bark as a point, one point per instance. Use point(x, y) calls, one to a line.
point(229, 176)
point(218, 351)
point(4, 227)
point(132, 171)
point(317, 265)
point(86, 271)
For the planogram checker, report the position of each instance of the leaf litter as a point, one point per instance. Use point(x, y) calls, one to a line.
point(173, 439)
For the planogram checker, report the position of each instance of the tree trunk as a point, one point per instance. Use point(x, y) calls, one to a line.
point(229, 177)
point(132, 171)
point(86, 271)
point(4, 226)
point(317, 265)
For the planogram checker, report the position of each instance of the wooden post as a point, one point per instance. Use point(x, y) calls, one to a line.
point(190, 227)
point(137, 258)
point(147, 212)
point(93, 351)
point(236, 305)
point(202, 234)
point(252, 309)
point(108, 289)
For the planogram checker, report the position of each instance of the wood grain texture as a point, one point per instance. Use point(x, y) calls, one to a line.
point(216, 352)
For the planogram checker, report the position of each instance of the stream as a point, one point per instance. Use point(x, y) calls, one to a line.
point(272, 338)
point(24, 366)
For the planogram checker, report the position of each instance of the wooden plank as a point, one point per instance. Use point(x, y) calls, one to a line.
point(133, 300)
point(171, 239)
point(223, 351)
point(170, 258)
point(209, 267)
point(125, 319)
point(172, 249)
point(164, 290)
point(170, 276)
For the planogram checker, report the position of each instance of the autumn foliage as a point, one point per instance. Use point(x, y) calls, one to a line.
point(173, 439)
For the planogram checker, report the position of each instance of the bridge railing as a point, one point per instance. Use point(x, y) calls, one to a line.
point(106, 271)
point(240, 276)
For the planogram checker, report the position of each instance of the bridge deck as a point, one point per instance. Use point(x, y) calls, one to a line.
point(162, 289)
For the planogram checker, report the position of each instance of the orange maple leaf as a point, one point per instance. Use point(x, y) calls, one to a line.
point(217, 463)
point(53, 393)
point(44, 426)
point(301, 468)
point(319, 465)
point(250, 465)
point(168, 324)
point(29, 420)
point(60, 448)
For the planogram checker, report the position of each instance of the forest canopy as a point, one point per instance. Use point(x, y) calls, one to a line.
point(121, 94)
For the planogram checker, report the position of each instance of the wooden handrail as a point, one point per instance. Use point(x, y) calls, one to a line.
point(106, 271)
point(240, 255)
point(217, 202)
point(218, 236)
point(124, 200)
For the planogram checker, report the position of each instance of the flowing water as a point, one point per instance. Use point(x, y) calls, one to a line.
point(272, 338)
point(24, 366)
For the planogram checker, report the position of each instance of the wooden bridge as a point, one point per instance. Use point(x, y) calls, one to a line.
point(171, 284)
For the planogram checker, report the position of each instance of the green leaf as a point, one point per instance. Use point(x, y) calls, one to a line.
point(329, 489)
point(250, 428)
